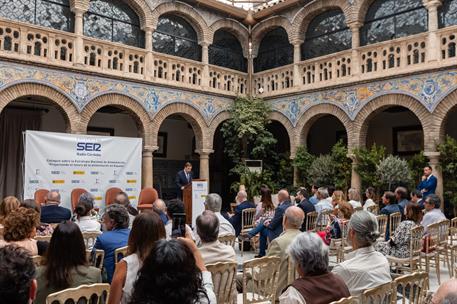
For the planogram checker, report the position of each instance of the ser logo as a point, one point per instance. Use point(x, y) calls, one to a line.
point(89, 147)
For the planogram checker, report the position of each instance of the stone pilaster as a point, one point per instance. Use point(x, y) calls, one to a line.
point(432, 38)
point(204, 163)
point(147, 166)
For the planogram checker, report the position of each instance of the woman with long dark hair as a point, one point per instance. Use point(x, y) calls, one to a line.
point(147, 228)
point(83, 211)
point(66, 263)
point(174, 272)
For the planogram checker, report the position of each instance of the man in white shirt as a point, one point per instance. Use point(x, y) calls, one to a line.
point(213, 203)
point(433, 213)
point(323, 204)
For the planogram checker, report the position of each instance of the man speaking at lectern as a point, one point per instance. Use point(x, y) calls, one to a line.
point(183, 178)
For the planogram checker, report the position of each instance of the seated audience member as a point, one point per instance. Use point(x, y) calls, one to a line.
point(266, 204)
point(337, 198)
point(123, 199)
point(398, 245)
point(446, 293)
point(211, 249)
point(401, 194)
point(323, 204)
point(160, 208)
point(17, 276)
point(370, 194)
point(43, 229)
point(416, 197)
point(354, 198)
point(7, 205)
point(20, 229)
point(174, 272)
point(293, 219)
point(51, 212)
point(365, 268)
point(343, 215)
point(83, 212)
point(315, 283)
point(66, 263)
point(242, 203)
point(304, 204)
point(313, 198)
point(175, 206)
point(116, 222)
point(147, 228)
point(433, 213)
point(213, 202)
point(390, 201)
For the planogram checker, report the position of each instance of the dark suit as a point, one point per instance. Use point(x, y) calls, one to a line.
point(275, 228)
point(429, 184)
point(53, 214)
point(235, 220)
point(181, 181)
point(307, 207)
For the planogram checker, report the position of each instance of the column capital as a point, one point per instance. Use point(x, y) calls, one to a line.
point(79, 9)
point(204, 43)
point(434, 157)
point(355, 25)
point(151, 149)
point(204, 152)
point(431, 4)
point(148, 29)
point(297, 42)
point(352, 157)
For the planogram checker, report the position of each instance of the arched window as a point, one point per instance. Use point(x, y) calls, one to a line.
point(390, 19)
point(113, 20)
point(226, 51)
point(175, 36)
point(49, 13)
point(448, 13)
point(327, 33)
point(274, 51)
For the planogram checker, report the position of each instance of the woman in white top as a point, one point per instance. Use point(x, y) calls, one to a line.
point(354, 198)
point(365, 267)
point(174, 272)
point(147, 228)
point(83, 211)
point(369, 202)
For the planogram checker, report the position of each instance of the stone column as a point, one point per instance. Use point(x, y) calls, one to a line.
point(149, 60)
point(147, 165)
point(433, 50)
point(204, 163)
point(356, 181)
point(251, 88)
point(297, 59)
point(434, 158)
point(355, 63)
point(79, 32)
point(205, 61)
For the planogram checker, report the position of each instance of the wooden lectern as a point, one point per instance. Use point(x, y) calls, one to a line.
point(187, 200)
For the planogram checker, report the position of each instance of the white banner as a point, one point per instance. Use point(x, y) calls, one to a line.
point(199, 193)
point(63, 162)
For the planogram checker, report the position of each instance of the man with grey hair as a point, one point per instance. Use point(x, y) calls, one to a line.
point(446, 293)
point(292, 221)
point(433, 213)
point(242, 203)
point(160, 208)
point(364, 268)
point(51, 212)
point(213, 251)
point(323, 204)
point(315, 284)
point(213, 202)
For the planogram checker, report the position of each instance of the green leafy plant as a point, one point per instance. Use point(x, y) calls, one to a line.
point(302, 161)
point(448, 164)
point(343, 166)
point(393, 171)
point(252, 181)
point(322, 171)
point(367, 161)
point(417, 163)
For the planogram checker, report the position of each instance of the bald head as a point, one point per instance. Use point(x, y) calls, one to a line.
point(293, 218)
point(446, 293)
point(283, 196)
point(242, 196)
point(160, 205)
point(53, 197)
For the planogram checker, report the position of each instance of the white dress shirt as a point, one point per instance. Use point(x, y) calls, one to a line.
point(368, 203)
point(355, 204)
point(433, 216)
point(291, 296)
point(365, 268)
point(323, 205)
point(88, 223)
point(225, 227)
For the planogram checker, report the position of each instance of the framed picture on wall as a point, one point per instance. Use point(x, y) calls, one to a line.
point(408, 140)
point(100, 131)
point(162, 143)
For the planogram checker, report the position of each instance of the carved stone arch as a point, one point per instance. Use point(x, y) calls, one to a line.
point(65, 106)
point(187, 12)
point(285, 122)
point(375, 106)
point(139, 6)
point(360, 9)
point(312, 114)
point(134, 109)
point(215, 123)
point(191, 115)
point(441, 115)
point(304, 16)
point(234, 27)
point(263, 27)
